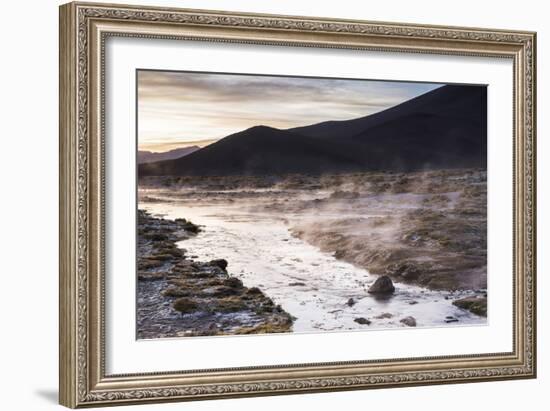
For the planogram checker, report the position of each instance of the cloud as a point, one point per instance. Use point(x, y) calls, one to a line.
point(180, 107)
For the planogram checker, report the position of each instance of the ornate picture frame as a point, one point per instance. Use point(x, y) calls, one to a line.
point(84, 29)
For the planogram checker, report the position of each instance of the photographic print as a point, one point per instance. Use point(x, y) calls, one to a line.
point(241, 193)
point(279, 204)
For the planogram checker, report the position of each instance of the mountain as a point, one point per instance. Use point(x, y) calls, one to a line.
point(451, 102)
point(150, 157)
point(444, 128)
point(260, 150)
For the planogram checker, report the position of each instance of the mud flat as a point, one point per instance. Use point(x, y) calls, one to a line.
point(179, 296)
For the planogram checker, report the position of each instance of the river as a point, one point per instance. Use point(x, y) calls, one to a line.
point(311, 285)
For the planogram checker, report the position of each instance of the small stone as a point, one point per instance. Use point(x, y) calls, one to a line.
point(451, 319)
point(384, 316)
point(413, 302)
point(362, 321)
point(408, 321)
point(351, 302)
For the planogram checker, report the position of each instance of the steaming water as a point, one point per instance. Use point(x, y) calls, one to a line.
point(311, 285)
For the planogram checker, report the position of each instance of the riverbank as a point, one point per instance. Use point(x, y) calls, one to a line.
point(179, 296)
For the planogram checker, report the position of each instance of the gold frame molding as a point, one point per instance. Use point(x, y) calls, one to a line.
point(84, 27)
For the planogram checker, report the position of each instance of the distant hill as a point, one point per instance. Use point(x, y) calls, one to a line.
point(259, 150)
point(150, 157)
point(444, 128)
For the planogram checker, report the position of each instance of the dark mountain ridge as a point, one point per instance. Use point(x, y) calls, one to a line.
point(260, 150)
point(444, 128)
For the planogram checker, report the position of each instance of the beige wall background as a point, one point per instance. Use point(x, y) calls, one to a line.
point(28, 218)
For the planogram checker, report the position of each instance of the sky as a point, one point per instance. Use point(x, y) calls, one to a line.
point(180, 109)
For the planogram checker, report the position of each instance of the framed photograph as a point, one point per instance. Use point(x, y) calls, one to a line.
point(260, 204)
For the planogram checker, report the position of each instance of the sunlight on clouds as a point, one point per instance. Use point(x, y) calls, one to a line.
point(177, 109)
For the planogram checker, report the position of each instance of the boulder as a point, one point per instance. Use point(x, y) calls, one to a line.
point(382, 285)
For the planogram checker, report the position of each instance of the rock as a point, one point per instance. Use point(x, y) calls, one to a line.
point(413, 302)
point(296, 284)
point(151, 276)
point(222, 291)
point(227, 305)
point(161, 257)
point(190, 227)
point(351, 302)
point(254, 291)
point(451, 319)
point(362, 321)
point(221, 263)
point(408, 321)
point(204, 274)
point(155, 236)
point(149, 263)
point(406, 270)
point(184, 305)
point(477, 305)
point(384, 316)
point(233, 282)
point(382, 285)
point(173, 291)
